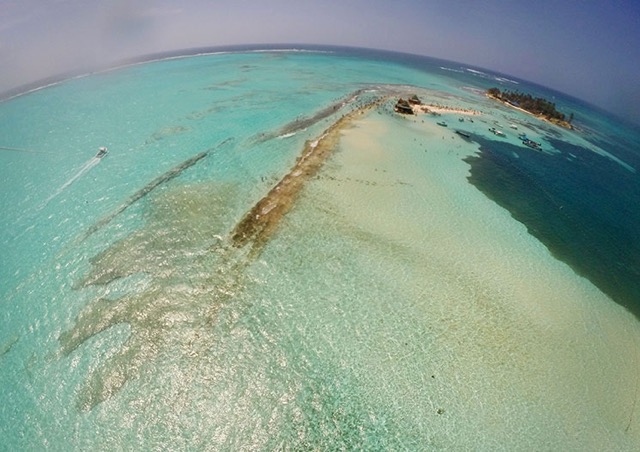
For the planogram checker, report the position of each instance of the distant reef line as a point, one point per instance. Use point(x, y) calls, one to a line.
point(86, 71)
point(116, 64)
point(119, 63)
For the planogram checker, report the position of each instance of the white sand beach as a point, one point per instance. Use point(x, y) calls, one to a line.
point(519, 346)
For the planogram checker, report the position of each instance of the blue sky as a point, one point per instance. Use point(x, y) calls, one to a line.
point(587, 48)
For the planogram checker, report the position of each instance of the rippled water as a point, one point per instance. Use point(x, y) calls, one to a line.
point(261, 262)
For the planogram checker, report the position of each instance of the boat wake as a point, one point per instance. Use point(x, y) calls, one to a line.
point(193, 266)
point(83, 170)
point(144, 191)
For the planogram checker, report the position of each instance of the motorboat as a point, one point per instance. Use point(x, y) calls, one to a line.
point(532, 144)
point(497, 132)
point(102, 151)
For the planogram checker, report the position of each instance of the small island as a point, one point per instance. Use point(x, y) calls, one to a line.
point(537, 106)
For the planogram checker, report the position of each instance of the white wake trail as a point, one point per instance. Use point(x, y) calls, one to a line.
point(85, 168)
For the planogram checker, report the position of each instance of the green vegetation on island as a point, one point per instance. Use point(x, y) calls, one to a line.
point(534, 105)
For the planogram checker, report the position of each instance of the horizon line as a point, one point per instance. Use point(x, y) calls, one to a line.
point(63, 77)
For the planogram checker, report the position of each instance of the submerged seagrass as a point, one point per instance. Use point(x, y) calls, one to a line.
point(260, 222)
point(170, 303)
point(144, 191)
point(388, 302)
point(302, 123)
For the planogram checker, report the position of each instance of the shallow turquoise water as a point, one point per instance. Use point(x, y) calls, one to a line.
point(392, 308)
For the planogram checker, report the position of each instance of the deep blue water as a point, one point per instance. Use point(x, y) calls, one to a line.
point(583, 206)
point(585, 209)
point(340, 336)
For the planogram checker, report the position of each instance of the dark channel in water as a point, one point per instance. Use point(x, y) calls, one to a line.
point(581, 205)
point(302, 123)
point(144, 191)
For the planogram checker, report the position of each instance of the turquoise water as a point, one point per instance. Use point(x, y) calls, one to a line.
point(395, 306)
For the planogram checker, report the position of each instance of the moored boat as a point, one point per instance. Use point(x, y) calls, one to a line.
point(496, 132)
point(532, 144)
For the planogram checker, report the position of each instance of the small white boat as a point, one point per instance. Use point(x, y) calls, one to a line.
point(495, 131)
point(102, 151)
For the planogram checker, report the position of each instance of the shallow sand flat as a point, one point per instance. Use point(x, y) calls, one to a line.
point(524, 351)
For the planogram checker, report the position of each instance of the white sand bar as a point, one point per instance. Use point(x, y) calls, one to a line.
point(506, 347)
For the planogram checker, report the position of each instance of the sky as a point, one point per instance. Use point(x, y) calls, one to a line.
point(589, 49)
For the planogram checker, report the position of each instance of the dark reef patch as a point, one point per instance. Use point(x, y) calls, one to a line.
point(192, 266)
point(260, 222)
point(144, 191)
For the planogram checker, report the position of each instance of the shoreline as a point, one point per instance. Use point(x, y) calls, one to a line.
point(564, 124)
point(443, 109)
